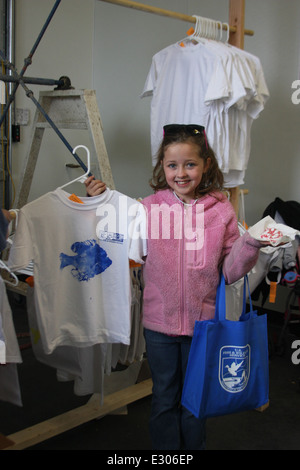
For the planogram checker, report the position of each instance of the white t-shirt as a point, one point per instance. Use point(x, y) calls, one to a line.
point(81, 258)
point(183, 81)
point(212, 84)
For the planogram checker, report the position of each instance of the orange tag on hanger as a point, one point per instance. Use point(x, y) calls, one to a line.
point(134, 264)
point(75, 198)
point(182, 44)
point(190, 31)
point(272, 296)
point(30, 281)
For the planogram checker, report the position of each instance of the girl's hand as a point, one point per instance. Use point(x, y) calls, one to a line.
point(94, 187)
point(9, 217)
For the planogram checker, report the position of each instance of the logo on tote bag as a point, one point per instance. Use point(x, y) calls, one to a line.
point(234, 368)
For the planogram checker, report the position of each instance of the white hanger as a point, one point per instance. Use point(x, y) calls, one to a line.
point(193, 37)
point(228, 32)
point(82, 178)
point(220, 31)
point(206, 28)
point(16, 280)
point(198, 32)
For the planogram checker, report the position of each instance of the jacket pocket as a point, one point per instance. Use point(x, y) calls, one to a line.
point(204, 248)
point(152, 304)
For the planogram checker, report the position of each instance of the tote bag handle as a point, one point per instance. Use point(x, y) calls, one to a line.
point(246, 284)
point(220, 312)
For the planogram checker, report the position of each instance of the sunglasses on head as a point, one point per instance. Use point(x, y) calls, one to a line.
point(190, 129)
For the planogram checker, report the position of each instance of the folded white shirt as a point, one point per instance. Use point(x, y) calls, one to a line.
point(267, 230)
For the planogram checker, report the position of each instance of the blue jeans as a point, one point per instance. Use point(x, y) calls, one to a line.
point(172, 426)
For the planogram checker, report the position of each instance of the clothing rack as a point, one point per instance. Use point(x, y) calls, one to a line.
point(93, 409)
point(237, 33)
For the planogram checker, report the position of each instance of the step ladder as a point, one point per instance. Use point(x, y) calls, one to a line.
point(68, 109)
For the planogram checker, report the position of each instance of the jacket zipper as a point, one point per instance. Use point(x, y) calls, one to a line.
point(182, 283)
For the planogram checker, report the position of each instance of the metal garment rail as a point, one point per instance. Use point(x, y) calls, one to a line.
point(33, 80)
point(30, 95)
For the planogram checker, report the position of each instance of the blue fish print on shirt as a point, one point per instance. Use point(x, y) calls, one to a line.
point(90, 260)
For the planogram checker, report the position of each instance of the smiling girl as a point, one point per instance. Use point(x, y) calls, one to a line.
point(180, 277)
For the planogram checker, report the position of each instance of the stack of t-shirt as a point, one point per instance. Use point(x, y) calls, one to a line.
point(214, 85)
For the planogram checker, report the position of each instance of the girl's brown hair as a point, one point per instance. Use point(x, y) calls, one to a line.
point(211, 181)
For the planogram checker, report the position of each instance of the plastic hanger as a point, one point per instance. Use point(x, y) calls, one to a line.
point(15, 281)
point(199, 32)
point(82, 178)
point(206, 28)
point(193, 35)
point(227, 33)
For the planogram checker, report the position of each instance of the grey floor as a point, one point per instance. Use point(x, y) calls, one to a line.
point(277, 428)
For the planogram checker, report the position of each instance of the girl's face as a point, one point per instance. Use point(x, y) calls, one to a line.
point(184, 169)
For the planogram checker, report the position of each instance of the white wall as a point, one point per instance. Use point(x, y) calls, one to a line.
point(274, 168)
point(109, 48)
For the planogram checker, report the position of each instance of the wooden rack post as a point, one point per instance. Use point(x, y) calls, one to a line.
point(236, 38)
point(237, 19)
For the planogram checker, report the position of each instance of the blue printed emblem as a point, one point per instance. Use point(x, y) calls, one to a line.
point(111, 237)
point(89, 261)
point(234, 367)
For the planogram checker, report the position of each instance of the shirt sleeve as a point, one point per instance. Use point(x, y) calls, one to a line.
point(137, 233)
point(21, 252)
point(157, 64)
point(240, 253)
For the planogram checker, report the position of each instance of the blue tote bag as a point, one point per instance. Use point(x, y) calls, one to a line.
point(228, 366)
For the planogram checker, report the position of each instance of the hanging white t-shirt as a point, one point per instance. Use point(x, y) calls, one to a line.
point(213, 84)
point(81, 258)
point(183, 81)
point(237, 116)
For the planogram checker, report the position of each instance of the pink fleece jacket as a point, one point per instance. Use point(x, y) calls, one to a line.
point(187, 246)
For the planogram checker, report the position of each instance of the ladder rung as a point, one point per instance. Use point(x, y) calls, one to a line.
point(63, 125)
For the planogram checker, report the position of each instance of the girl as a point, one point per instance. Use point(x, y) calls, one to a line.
point(198, 236)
